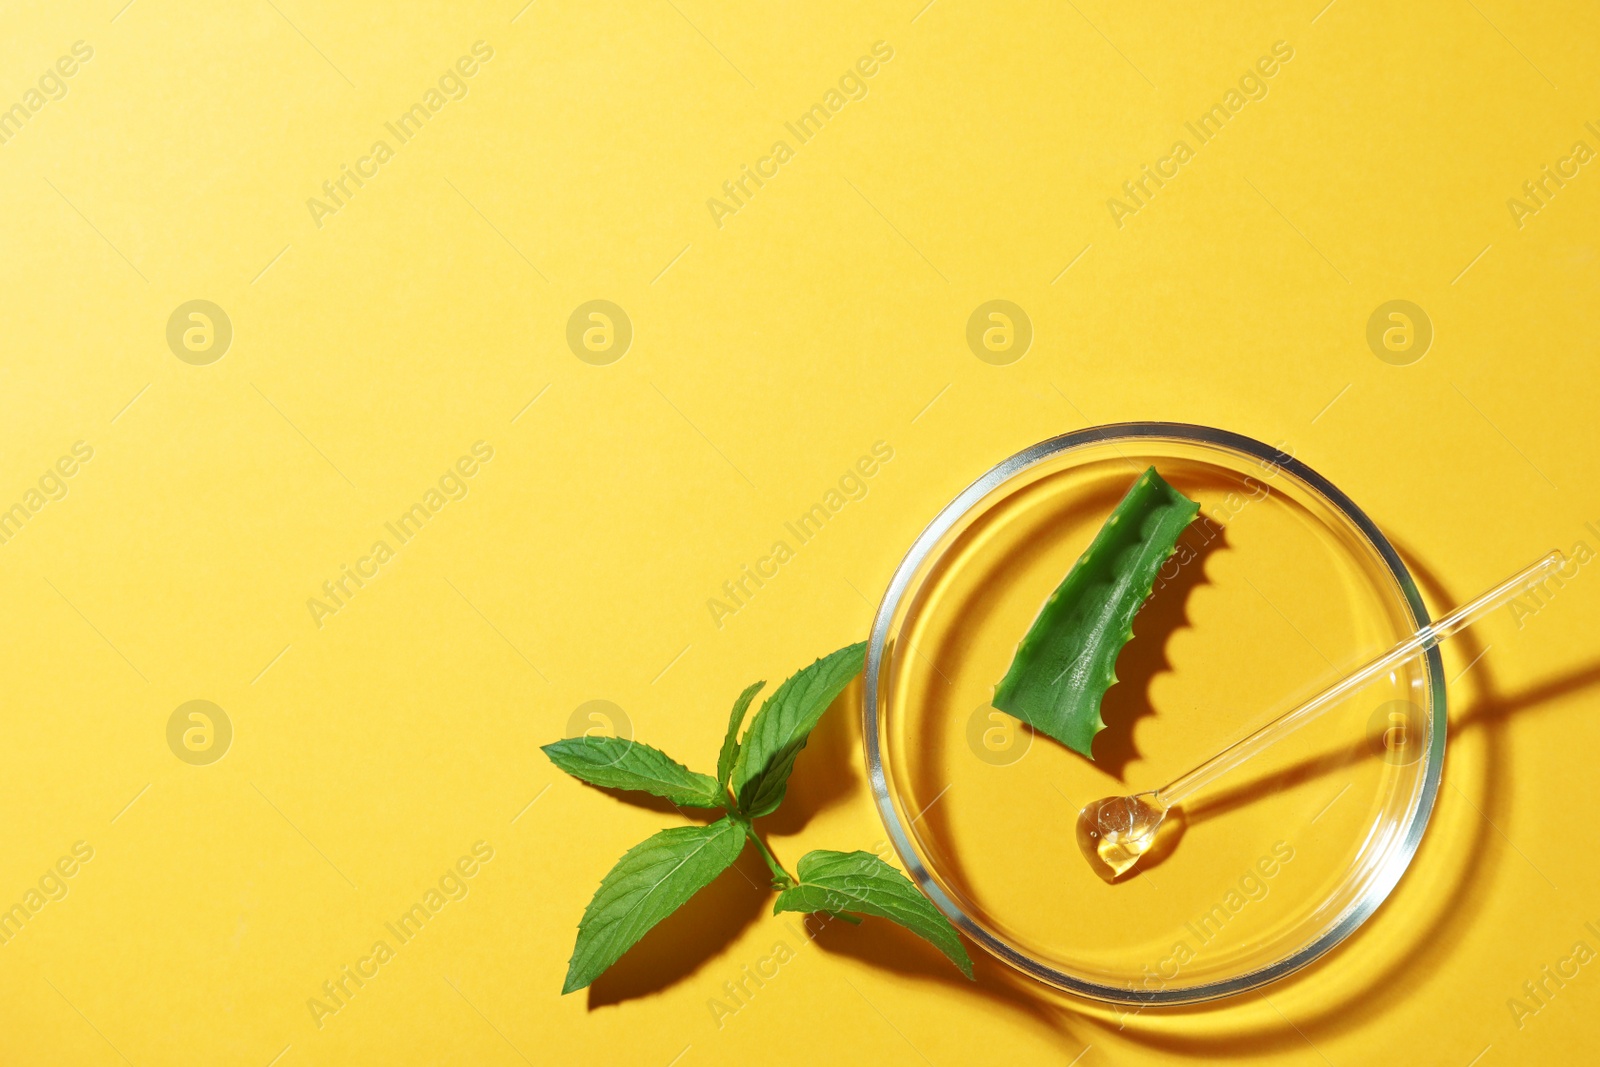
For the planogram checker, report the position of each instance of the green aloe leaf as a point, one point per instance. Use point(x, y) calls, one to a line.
point(780, 729)
point(618, 763)
point(1067, 660)
point(861, 882)
point(651, 881)
point(730, 743)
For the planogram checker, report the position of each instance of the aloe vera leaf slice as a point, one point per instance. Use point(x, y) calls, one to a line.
point(1067, 660)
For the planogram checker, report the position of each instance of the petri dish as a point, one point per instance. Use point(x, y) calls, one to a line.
point(1278, 587)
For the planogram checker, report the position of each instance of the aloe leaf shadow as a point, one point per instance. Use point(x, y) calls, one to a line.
point(1145, 656)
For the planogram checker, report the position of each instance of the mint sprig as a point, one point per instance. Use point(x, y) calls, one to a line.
point(861, 882)
point(617, 763)
point(730, 743)
point(651, 881)
point(658, 876)
point(782, 726)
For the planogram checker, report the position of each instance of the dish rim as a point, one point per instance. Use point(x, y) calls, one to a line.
point(1353, 915)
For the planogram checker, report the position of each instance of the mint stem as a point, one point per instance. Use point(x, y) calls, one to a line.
point(781, 878)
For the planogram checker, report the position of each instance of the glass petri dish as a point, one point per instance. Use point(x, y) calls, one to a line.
point(1279, 586)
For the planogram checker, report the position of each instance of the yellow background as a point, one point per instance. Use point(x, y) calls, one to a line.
point(827, 314)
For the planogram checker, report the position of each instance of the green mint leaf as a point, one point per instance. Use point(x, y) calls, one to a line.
point(654, 879)
point(617, 763)
point(780, 729)
point(730, 743)
point(1068, 658)
point(838, 882)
